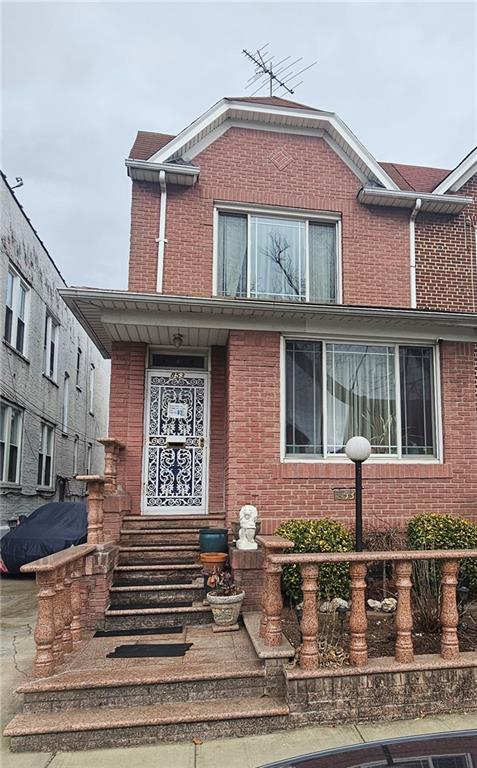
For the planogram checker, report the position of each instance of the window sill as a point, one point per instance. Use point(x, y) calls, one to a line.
point(5, 485)
point(13, 349)
point(64, 434)
point(45, 489)
point(52, 381)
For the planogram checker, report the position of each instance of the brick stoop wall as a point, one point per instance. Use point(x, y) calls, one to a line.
point(247, 569)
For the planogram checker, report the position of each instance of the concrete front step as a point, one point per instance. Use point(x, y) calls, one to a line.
point(125, 575)
point(140, 686)
point(135, 555)
point(158, 522)
point(152, 618)
point(158, 537)
point(127, 726)
point(155, 595)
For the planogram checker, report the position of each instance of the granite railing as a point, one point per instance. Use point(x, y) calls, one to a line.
point(63, 587)
point(309, 564)
point(104, 495)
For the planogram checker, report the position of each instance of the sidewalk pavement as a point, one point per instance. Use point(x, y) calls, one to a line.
point(18, 620)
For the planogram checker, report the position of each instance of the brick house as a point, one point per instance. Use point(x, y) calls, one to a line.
point(287, 291)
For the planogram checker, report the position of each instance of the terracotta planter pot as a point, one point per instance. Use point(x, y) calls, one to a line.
point(225, 610)
point(211, 560)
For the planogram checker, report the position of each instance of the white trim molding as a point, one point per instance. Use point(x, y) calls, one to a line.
point(460, 175)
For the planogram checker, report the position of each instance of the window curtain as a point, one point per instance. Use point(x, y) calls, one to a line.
point(322, 262)
point(277, 263)
point(232, 255)
point(304, 423)
point(417, 401)
point(361, 396)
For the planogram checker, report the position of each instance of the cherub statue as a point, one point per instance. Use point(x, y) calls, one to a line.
point(248, 519)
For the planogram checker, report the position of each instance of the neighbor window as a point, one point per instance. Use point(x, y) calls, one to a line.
point(383, 392)
point(280, 259)
point(50, 347)
point(45, 456)
point(79, 355)
point(10, 443)
point(15, 311)
point(89, 456)
point(66, 403)
point(75, 455)
point(92, 373)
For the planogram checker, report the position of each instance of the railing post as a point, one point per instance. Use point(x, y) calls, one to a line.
point(358, 649)
point(44, 664)
point(273, 604)
point(309, 653)
point(449, 612)
point(112, 448)
point(76, 623)
point(58, 650)
point(68, 612)
point(403, 650)
point(95, 489)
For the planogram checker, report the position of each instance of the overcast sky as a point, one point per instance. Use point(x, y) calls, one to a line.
point(79, 79)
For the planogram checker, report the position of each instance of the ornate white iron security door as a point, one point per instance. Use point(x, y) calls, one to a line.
point(176, 456)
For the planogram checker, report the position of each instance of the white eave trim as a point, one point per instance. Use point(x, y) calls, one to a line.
point(288, 117)
point(105, 313)
point(460, 175)
point(431, 202)
point(144, 170)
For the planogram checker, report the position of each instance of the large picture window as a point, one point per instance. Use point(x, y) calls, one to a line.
point(383, 392)
point(274, 258)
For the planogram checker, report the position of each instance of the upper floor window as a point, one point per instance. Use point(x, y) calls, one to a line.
point(89, 458)
point(75, 455)
point(92, 372)
point(275, 258)
point(50, 347)
point(66, 403)
point(384, 392)
point(79, 355)
point(15, 310)
point(10, 443)
point(45, 455)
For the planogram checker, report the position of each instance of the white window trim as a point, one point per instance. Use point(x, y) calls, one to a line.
point(66, 404)
point(89, 458)
point(301, 214)
point(17, 281)
point(15, 483)
point(375, 459)
point(79, 354)
point(52, 332)
point(91, 384)
point(52, 463)
point(75, 455)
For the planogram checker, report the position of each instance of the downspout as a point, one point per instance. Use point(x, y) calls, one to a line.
point(412, 250)
point(161, 240)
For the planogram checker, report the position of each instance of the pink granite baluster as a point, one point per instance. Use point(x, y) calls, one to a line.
point(44, 664)
point(76, 623)
point(67, 639)
point(273, 604)
point(449, 612)
point(58, 650)
point(358, 649)
point(403, 650)
point(309, 653)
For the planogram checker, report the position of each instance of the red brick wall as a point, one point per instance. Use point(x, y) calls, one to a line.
point(238, 167)
point(126, 414)
point(217, 430)
point(392, 492)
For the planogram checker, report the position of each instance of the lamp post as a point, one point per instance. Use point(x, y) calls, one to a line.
point(358, 450)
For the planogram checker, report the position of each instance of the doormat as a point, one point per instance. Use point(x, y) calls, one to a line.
point(133, 632)
point(150, 649)
point(142, 606)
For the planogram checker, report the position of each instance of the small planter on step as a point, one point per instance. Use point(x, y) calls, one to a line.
point(225, 601)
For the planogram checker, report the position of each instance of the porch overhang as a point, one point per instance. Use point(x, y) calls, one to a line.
point(122, 316)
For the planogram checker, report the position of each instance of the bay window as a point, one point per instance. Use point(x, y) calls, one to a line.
point(384, 392)
point(277, 258)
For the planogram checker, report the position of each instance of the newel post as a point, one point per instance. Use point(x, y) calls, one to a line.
point(112, 448)
point(95, 490)
point(272, 603)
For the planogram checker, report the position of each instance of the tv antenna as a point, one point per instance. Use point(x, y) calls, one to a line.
point(276, 75)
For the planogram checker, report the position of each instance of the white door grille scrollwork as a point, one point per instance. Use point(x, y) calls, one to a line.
point(175, 453)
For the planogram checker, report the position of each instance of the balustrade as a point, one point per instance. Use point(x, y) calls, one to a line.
point(309, 563)
point(61, 606)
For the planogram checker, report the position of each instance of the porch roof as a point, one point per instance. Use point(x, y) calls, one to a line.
point(110, 316)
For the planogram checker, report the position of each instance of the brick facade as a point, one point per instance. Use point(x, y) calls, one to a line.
point(244, 439)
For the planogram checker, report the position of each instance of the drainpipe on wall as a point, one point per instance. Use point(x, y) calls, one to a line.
point(161, 240)
point(412, 249)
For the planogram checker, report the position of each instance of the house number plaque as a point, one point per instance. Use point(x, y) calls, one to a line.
point(176, 411)
point(343, 494)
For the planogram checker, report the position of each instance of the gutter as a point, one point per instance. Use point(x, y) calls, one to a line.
point(430, 202)
point(412, 250)
point(161, 239)
point(144, 170)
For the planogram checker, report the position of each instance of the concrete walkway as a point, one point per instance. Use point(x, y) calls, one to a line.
point(18, 620)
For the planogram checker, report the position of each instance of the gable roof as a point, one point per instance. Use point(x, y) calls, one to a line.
point(275, 101)
point(147, 143)
point(419, 178)
point(460, 175)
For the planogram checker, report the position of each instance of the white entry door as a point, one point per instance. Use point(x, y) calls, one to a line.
point(175, 450)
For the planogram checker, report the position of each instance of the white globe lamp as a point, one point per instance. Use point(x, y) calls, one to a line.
point(358, 449)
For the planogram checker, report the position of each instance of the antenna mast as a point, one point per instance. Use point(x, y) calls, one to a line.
point(275, 75)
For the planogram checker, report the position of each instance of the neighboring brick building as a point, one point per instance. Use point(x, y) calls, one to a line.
point(53, 405)
point(287, 291)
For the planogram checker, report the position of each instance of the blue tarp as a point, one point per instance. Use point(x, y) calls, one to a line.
point(50, 528)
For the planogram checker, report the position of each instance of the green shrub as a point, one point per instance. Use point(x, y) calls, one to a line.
point(317, 536)
point(434, 531)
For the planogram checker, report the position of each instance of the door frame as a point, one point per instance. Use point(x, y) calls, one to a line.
point(206, 372)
